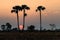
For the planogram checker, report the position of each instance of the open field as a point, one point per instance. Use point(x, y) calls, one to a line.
point(29, 35)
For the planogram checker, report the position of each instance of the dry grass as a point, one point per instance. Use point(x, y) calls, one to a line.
point(30, 35)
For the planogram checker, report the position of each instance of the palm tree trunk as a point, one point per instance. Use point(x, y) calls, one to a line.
point(40, 21)
point(17, 20)
point(23, 19)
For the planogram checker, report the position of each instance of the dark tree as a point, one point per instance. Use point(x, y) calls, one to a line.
point(8, 26)
point(3, 27)
point(40, 8)
point(52, 26)
point(31, 27)
point(24, 7)
point(16, 9)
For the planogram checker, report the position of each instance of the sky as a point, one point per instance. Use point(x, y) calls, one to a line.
point(51, 15)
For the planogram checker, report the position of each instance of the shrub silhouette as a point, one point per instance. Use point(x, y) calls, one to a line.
point(14, 29)
point(31, 27)
point(8, 26)
point(3, 27)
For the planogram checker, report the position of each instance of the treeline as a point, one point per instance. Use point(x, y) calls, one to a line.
point(8, 27)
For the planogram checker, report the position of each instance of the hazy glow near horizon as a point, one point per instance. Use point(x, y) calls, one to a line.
point(21, 27)
point(49, 15)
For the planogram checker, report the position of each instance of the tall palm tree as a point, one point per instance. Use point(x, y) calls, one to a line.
point(24, 7)
point(40, 8)
point(16, 9)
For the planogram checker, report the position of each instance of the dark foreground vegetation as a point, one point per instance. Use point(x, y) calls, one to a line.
point(30, 35)
point(7, 33)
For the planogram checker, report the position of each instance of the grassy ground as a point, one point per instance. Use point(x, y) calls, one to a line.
point(29, 35)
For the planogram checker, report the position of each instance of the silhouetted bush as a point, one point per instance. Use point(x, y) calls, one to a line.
point(3, 27)
point(14, 29)
point(31, 28)
point(8, 26)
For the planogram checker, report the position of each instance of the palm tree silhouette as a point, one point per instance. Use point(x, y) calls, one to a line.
point(40, 8)
point(16, 9)
point(24, 7)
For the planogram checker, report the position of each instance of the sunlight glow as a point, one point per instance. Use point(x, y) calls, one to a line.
point(21, 27)
point(46, 14)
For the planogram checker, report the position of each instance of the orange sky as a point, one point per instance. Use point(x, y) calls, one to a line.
point(52, 10)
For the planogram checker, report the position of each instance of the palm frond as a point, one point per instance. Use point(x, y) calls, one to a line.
point(40, 8)
point(24, 6)
point(12, 11)
point(27, 8)
point(17, 8)
point(36, 10)
point(43, 8)
point(25, 14)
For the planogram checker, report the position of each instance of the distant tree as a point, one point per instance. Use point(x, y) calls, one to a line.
point(8, 26)
point(3, 27)
point(16, 9)
point(44, 30)
point(53, 26)
point(40, 8)
point(31, 27)
point(24, 7)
